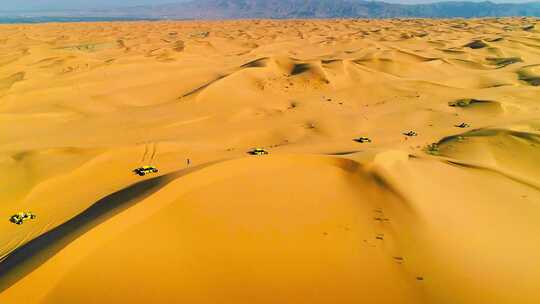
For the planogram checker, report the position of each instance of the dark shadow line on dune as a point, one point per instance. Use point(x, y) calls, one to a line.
point(384, 184)
point(379, 179)
point(204, 86)
point(257, 63)
point(515, 178)
point(28, 257)
point(486, 132)
point(300, 68)
point(344, 153)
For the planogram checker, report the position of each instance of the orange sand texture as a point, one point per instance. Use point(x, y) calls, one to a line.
point(322, 218)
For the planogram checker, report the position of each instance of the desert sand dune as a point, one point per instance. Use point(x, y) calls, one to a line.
point(437, 203)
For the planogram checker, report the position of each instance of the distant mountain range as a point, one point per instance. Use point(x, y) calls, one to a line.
point(280, 9)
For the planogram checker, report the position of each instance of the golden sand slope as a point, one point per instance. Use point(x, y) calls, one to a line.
point(448, 216)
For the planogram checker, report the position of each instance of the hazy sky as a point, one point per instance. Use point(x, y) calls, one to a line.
point(63, 4)
point(9, 5)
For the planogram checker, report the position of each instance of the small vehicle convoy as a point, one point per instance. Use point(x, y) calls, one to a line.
point(462, 125)
point(258, 152)
point(142, 171)
point(22, 217)
point(362, 140)
point(410, 133)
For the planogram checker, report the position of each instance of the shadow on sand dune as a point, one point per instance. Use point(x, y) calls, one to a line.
point(31, 255)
